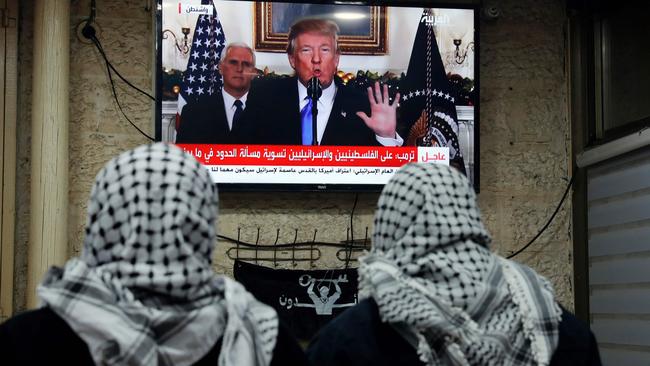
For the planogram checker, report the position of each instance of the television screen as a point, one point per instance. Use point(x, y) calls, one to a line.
point(317, 96)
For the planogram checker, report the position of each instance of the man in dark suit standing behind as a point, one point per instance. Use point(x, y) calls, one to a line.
point(345, 116)
point(218, 121)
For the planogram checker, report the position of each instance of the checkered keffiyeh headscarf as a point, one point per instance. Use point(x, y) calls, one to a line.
point(143, 291)
point(435, 280)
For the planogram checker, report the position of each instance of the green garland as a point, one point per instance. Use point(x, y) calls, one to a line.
point(463, 88)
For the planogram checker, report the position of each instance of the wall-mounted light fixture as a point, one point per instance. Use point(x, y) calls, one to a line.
point(183, 45)
point(460, 54)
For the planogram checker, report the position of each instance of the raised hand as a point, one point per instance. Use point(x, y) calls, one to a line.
point(383, 114)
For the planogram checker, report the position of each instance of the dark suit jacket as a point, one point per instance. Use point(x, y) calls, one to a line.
point(276, 119)
point(206, 123)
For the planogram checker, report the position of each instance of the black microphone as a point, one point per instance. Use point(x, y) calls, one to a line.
point(314, 91)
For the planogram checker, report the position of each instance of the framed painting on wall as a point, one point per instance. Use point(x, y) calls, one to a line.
point(362, 28)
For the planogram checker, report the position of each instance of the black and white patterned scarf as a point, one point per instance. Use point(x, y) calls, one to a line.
point(143, 291)
point(435, 280)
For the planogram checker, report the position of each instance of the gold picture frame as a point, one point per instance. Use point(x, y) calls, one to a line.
point(365, 35)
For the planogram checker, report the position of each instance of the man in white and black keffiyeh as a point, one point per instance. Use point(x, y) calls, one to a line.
point(143, 291)
point(438, 288)
point(431, 271)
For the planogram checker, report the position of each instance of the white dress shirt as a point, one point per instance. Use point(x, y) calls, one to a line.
point(325, 104)
point(229, 104)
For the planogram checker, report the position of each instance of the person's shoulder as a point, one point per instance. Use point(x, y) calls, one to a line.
point(572, 328)
point(271, 83)
point(577, 343)
point(358, 336)
point(349, 87)
point(207, 103)
point(23, 320)
point(365, 311)
point(208, 99)
point(351, 94)
point(199, 115)
point(271, 93)
point(36, 324)
point(45, 331)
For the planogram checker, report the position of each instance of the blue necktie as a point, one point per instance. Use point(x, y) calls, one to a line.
point(238, 112)
point(305, 123)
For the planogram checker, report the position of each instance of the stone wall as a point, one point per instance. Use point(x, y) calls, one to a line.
point(524, 146)
point(525, 136)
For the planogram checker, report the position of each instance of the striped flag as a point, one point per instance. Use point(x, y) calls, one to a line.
point(428, 105)
point(201, 78)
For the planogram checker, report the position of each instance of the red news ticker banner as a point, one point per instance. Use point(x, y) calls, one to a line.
point(295, 164)
point(314, 156)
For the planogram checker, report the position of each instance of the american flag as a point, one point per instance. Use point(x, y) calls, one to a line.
point(201, 78)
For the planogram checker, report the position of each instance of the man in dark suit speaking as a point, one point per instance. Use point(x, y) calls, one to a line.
point(219, 120)
point(345, 116)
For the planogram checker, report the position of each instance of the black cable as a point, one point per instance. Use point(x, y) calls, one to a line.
point(286, 245)
point(89, 32)
point(110, 78)
point(354, 206)
point(101, 50)
point(93, 13)
point(557, 209)
point(93, 10)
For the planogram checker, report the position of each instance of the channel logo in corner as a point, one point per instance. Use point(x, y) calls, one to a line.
point(436, 20)
point(437, 155)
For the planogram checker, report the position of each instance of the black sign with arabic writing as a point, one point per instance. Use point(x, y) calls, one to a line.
point(305, 300)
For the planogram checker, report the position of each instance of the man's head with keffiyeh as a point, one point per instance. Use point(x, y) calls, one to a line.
point(143, 291)
point(151, 223)
point(430, 270)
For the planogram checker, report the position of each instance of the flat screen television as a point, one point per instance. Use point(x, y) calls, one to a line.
point(395, 82)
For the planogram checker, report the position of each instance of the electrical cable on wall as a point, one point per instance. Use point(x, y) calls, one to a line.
point(119, 105)
point(109, 64)
point(89, 32)
point(347, 258)
point(557, 209)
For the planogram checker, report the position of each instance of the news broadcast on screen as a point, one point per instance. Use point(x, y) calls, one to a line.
point(317, 96)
